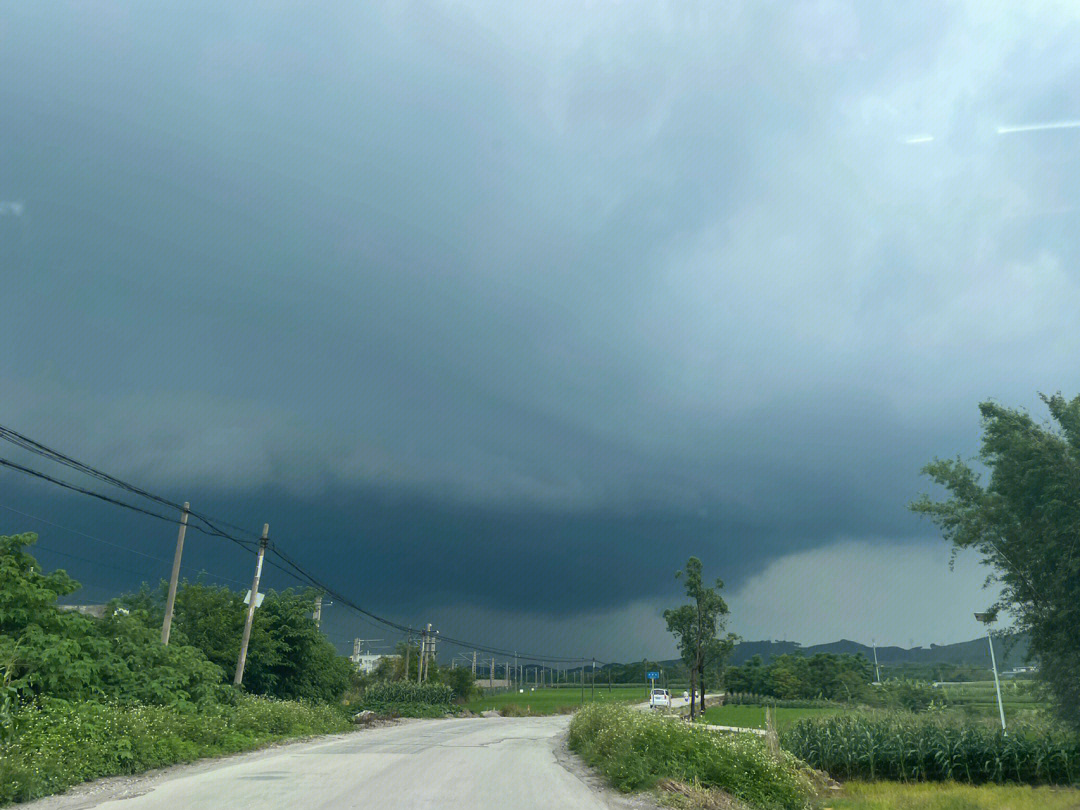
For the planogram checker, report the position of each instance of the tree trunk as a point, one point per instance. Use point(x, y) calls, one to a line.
point(693, 688)
point(701, 680)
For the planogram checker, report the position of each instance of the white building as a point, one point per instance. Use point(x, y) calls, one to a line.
point(366, 662)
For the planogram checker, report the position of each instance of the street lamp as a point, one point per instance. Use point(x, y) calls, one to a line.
point(987, 619)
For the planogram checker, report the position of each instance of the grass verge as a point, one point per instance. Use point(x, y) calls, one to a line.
point(636, 750)
point(57, 744)
point(952, 796)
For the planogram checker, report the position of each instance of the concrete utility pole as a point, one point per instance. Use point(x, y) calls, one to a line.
point(318, 610)
point(594, 679)
point(877, 669)
point(166, 626)
point(430, 653)
point(239, 676)
point(491, 676)
point(474, 665)
point(986, 619)
point(423, 654)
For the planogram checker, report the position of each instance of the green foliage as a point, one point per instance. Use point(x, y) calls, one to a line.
point(635, 749)
point(912, 696)
point(796, 677)
point(938, 796)
point(46, 651)
point(749, 716)
point(58, 744)
point(934, 747)
point(749, 699)
point(695, 626)
point(391, 693)
point(288, 657)
point(1025, 522)
point(559, 700)
point(460, 680)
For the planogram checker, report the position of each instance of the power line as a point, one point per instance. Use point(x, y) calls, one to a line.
point(42, 450)
point(187, 568)
point(297, 571)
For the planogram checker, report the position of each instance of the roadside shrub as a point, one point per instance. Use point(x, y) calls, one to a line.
point(636, 749)
point(928, 747)
point(406, 699)
point(58, 743)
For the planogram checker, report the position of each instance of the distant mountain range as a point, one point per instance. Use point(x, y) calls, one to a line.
point(974, 653)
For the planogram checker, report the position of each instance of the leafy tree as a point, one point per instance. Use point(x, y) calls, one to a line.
point(64, 654)
point(695, 625)
point(460, 679)
point(797, 677)
point(288, 657)
point(1025, 522)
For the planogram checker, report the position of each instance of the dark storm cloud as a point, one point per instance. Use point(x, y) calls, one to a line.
point(530, 292)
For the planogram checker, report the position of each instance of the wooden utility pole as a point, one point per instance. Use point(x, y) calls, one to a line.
point(166, 626)
point(239, 676)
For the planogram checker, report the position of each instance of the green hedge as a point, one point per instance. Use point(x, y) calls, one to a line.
point(56, 744)
point(635, 749)
point(909, 747)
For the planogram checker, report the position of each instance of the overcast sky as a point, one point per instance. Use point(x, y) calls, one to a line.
point(498, 311)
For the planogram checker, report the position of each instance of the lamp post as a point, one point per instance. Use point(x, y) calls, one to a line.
point(987, 619)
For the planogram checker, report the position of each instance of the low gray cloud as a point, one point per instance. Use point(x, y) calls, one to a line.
point(604, 276)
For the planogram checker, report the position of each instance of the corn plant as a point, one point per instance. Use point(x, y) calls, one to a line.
point(910, 747)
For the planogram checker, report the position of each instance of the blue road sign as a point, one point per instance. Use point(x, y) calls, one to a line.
point(653, 676)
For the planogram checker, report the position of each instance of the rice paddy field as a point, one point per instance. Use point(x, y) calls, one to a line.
point(558, 700)
point(746, 716)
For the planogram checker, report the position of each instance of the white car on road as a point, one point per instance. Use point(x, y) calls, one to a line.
point(660, 698)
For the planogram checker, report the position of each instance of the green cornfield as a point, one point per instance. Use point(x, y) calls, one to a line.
point(917, 748)
point(428, 694)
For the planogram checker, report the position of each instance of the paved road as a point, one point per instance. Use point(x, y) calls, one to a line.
point(476, 763)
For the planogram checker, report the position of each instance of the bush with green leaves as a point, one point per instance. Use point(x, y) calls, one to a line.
point(933, 747)
point(460, 680)
point(428, 694)
point(912, 696)
point(45, 651)
point(59, 743)
point(636, 749)
point(288, 657)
